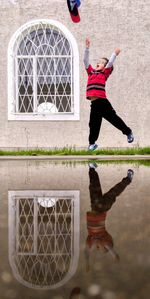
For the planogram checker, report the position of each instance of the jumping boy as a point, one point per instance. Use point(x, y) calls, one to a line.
point(100, 106)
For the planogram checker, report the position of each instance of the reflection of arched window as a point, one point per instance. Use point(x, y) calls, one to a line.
point(43, 72)
point(44, 236)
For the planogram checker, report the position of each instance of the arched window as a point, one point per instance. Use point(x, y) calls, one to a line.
point(44, 236)
point(43, 73)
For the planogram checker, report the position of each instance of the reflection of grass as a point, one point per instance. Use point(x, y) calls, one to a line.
point(133, 162)
point(77, 152)
point(75, 163)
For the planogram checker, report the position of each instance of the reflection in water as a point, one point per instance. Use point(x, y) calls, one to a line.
point(75, 293)
point(98, 237)
point(44, 231)
point(43, 236)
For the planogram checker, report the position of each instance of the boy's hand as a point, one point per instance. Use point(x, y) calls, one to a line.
point(117, 51)
point(87, 43)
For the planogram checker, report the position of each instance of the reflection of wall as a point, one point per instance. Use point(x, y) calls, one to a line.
point(127, 222)
point(43, 236)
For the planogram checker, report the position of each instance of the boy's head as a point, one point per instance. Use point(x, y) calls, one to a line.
point(101, 64)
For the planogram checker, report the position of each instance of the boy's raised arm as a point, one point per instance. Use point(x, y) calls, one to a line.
point(86, 53)
point(113, 57)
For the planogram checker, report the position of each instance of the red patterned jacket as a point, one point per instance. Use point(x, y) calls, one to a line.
point(97, 233)
point(96, 82)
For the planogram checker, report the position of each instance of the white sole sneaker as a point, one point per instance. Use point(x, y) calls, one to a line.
point(130, 138)
point(92, 147)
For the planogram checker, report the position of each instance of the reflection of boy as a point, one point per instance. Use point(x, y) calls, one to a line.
point(75, 293)
point(97, 234)
point(100, 106)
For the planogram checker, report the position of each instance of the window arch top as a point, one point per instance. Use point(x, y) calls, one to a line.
point(43, 39)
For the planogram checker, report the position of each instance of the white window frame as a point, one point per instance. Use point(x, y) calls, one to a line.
point(75, 196)
point(12, 115)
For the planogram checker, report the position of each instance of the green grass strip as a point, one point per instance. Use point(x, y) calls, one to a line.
point(66, 151)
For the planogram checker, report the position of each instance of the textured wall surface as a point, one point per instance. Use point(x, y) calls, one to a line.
point(109, 24)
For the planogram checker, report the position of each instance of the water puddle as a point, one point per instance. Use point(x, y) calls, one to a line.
point(74, 230)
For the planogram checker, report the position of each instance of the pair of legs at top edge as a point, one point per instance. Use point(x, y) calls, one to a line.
point(102, 108)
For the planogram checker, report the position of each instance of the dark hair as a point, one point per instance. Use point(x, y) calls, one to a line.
point(107, 62)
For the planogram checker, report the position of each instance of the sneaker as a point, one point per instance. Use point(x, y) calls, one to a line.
point(92, 147)
point(130, 137)
point(93, 165)
point(130, 174)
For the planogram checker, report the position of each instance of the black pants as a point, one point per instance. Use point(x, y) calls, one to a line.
point(103, 202)
point(101, 108)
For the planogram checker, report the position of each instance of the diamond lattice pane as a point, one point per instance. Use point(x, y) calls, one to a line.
point(43, 239)
point(25, 84)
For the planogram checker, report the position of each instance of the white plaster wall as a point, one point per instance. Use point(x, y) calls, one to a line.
point(109, 24)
